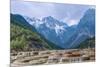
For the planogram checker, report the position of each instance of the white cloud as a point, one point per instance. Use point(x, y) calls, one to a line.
point(33, 9)
point(73, 22)
point(93, 7)
point(70, 12)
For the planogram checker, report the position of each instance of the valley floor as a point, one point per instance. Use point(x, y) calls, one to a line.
point(20, 59)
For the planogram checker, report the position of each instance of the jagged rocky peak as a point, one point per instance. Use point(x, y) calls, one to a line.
point(48, 18)
point(31, 19)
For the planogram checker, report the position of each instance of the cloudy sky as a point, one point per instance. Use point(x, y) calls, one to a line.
point(69, 13)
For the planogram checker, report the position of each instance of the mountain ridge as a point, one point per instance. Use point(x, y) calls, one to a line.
point(63, 35)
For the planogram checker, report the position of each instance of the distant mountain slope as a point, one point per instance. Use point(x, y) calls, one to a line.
point(87, 22)
point(23, 38)
point(88, 43)
point(85, 29)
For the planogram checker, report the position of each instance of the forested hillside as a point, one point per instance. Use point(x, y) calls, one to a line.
point(25, 38)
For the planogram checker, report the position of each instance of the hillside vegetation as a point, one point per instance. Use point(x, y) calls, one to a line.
point(25, 38)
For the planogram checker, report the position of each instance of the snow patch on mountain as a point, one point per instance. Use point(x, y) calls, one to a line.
point(49, 22)
point(59, 29)
point(34, 21)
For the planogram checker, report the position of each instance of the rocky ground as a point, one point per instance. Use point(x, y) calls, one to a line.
point(20, 59)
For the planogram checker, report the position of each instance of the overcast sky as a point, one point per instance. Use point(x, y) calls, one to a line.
point(69, 13)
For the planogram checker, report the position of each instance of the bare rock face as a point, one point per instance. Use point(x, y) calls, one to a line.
point(52, 56)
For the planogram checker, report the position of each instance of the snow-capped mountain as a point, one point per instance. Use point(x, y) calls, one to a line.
point(34, 21)
point(61, 34)
point(49, 22)
point(50, 28)
point(54, 24)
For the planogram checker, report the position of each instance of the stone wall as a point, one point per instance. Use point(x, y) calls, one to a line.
point(52, 57)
